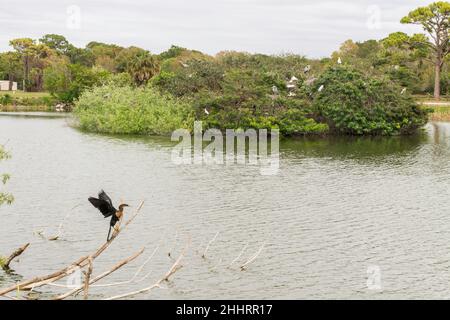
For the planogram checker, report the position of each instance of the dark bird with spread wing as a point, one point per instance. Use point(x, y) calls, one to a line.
point(105, 206)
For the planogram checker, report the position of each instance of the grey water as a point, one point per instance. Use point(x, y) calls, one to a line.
point(338, 209)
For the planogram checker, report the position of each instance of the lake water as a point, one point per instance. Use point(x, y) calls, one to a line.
point(344, 218)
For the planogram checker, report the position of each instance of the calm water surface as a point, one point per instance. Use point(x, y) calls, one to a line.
point(336, 208)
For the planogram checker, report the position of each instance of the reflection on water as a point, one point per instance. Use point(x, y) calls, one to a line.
point(338, 208)
point(364, 148)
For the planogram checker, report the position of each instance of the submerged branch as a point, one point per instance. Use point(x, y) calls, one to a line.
point(173, 269)
point(101, 276)
point(14, 255)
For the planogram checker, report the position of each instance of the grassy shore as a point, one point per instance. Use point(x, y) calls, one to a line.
point(430, 98)
point(441, 109)
point(22, 94)
point(20, 101)
point(38, 108)
point(440, 113)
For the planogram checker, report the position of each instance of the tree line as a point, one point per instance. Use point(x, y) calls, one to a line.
point(418, 62)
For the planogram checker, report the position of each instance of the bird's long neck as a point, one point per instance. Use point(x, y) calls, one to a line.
point(119, 212)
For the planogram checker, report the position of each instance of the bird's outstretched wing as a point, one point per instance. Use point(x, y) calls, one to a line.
point(103, 196)
point(104, 206)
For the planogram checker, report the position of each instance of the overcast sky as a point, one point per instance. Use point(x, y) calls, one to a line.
point(311, 27)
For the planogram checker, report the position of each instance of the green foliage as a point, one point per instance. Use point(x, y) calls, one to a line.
point(56, 42)
point(197, 75)
point(236, 91)
point(435, 20)
point(128, 110)
point(142, 68)
point(6, 99)
point(173, 52)
point(4, 197)
point(425, 16)
point(67, 81)
point(353, 104)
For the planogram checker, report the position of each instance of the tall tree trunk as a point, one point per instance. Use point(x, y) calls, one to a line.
point(26, 73)
point(437, 81)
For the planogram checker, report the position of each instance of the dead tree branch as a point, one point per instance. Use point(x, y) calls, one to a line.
point(238, 257)
point(80, 263)
point(209, 244)
point(253, 258)
point(14, 255)
point(87, 279)
point(173, 269)
point(101, 276)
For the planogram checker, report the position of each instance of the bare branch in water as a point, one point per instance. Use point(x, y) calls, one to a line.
point(253, 258)
point(173, 269)
point(209, 244)
point(14, 255)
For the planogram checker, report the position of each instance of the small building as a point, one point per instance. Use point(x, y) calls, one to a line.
point(6, 85)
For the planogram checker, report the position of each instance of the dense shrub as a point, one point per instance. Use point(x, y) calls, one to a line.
point(128, 110)
point(351, 103)
point(6, 99)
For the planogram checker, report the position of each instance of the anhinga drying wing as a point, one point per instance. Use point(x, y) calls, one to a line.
point(104, 204)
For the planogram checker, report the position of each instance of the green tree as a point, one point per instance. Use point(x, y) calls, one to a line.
point(24, 46)
point(125, 57)
point(143, 67)
point(10, 66)
point(56, 42)
point(435, 20)
point(80, 56)
point(67, 81)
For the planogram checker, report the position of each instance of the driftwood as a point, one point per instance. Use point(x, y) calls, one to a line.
point(14, 255)
point(80, 263)
point(87, 279)
point(101, 276)
point(173, 269)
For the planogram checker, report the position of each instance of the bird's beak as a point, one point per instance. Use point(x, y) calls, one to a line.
point(126, 205)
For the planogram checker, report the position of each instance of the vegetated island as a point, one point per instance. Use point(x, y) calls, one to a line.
point(364, 88)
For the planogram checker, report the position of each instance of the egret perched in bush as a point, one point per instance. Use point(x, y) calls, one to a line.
point(307, 69)
point(275, 90)
point(105, 206)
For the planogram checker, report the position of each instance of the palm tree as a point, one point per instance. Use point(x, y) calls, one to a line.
point(142, 68)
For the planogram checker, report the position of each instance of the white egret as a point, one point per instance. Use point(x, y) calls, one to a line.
point(307, 69)
point(321, 88)
point(275, 90)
